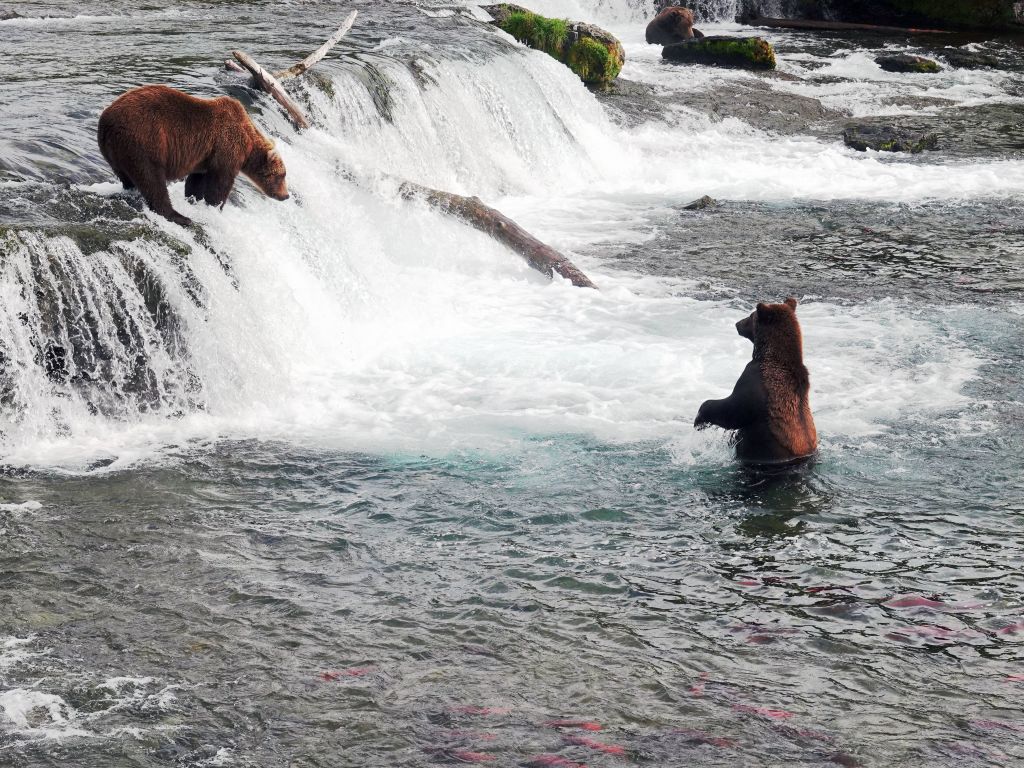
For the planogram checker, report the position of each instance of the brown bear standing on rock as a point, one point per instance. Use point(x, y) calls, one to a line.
point(672, 25)
point(768, 407)
point(154, 135)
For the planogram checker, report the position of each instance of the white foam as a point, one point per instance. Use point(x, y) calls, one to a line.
point(25, 506)
point(356, 320)
point(14, 651)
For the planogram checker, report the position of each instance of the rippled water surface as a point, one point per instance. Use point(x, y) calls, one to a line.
point(339, 482)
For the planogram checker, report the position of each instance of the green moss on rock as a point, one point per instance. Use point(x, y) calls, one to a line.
point(592, 61)
point(538, 32)
point(592, 53)
point(737, 52)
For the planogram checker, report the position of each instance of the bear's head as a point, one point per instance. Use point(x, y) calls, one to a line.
point(678, 20)
point(265, 168)
point(774, 327)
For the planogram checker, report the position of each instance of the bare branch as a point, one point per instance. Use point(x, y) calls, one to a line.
point(320, 52)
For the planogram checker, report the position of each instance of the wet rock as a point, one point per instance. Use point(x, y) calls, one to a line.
point(754, 53)
point(700, 203)
point(6, 15)
point(888, 139)
point(961, 59)
point(592, 53)
point(906, 63)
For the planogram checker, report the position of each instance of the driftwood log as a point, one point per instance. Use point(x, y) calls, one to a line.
point(474, 212)
point(469, 210)
point(834, 26)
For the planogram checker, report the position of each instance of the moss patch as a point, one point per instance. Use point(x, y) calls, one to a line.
point(538, 32)
point(592, 61)
point(740, 52)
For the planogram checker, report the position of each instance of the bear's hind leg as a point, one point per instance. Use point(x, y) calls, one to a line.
point(218, 187)
point(154, 189)
point(195, 186)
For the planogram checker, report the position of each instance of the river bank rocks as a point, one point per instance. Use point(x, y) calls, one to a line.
point(754, 53)
point(592, 53)
point(888, 139)
point(903, 62)
point(940, 14)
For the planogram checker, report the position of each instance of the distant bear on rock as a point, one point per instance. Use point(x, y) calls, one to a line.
point(155, 135)
point(769, 405)
point(672, 25)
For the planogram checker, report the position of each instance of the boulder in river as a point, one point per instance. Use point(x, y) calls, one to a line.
point(721, 51)
point(958, 58)
point(592, 53)
point(6, 15)
point(888, 139)
point(903, 62)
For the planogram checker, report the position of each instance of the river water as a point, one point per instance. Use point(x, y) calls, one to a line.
point(340, 482)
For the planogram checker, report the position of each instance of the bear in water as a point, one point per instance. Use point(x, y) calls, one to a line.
point(154, 135)
point(769, 405)
point(672, 25)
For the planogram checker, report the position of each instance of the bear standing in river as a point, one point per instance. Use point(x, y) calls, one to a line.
point(155, 135)
point(769, 405)
point(672, 25)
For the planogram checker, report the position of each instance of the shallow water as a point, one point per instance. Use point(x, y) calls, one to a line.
point(340, 482)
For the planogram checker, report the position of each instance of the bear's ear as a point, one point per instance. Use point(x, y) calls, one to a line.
point(791, 303)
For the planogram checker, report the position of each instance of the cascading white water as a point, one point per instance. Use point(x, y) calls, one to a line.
point(351, 318)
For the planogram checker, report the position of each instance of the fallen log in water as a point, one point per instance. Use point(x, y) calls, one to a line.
point(469, 210)
point(834, 26)
point(474, 212)
point(268, 83)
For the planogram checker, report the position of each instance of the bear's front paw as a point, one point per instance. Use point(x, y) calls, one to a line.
point(702, 421)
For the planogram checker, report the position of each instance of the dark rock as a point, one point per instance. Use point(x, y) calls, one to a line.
point(905, 63)
point(961, 59)
point(888, 139)
point(6, 15)
point(700, 203)
point(736, 52)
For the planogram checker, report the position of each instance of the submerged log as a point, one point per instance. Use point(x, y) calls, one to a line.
point(474, 212)
point(834, 26)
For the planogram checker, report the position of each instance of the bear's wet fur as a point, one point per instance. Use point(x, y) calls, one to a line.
point(154, 135)
point(672, 25)
point(769, 406)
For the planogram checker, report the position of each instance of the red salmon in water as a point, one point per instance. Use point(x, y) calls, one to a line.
point(473, 757)
point(915, 601)
point(1013, 629)
point(1015, 678)
point(586, 725)
point(471, 710)
point(600, 746)
point(775, 714)
point(551, 761)
point(700, 737)
point(335, 675)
